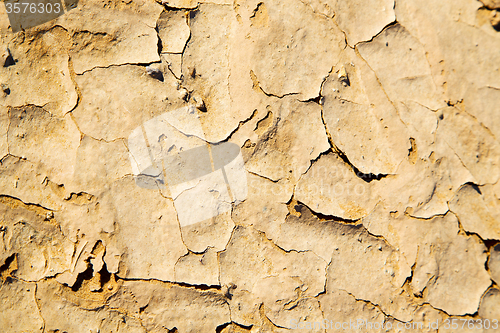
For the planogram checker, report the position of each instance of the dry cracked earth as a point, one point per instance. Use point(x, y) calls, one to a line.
point(370, 135)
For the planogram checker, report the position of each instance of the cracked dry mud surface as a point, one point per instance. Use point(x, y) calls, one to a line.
point(369, 166)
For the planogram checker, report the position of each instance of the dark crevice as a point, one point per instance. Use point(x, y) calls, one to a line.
point(202, 287)
point(409, 280)
point(474, 186)
point(241, 123)
point(9, 60)
point(367, 177)
point(228, 293)
point(453, 104)
point(264, 177)
point(7, 263)
point(393, 23)
point(5, 89)
point(80, 198)
point(193, 13)
point(160, 45)
point(141, 64)
point(314, 100)
point(413, 151)
point(85, 275)
point(277, 96)
point(490, 243)
point(174, 9)
point(300, 207)
point(4, 198)
point(188, 22)
point(105, 275)
point(323, 153)
point(256, 10)
point(219, 328)
point(243, 327)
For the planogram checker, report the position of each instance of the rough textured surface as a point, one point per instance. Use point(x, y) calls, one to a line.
point(258, 166)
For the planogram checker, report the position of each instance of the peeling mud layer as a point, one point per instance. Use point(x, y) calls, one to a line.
point(251, 166)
